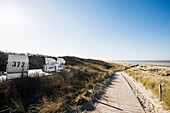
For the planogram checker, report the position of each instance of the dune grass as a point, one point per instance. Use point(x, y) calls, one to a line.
point(151, 77)
point(58, 92)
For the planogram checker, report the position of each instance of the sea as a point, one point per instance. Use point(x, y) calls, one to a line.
point(157, 63)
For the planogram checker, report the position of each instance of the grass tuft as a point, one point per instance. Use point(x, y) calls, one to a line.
point(58, 92)
point(151, 77)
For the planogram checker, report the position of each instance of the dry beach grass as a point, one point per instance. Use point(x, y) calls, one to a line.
point(57, 92)
point(151, 77)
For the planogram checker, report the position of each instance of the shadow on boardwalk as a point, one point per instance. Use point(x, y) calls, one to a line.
point(95, 99)
point(110, 106)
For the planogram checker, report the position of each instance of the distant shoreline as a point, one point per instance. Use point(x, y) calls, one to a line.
point(156, 64)
point(163, 61)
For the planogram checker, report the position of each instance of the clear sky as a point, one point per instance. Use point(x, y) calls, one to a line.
point(100, 29)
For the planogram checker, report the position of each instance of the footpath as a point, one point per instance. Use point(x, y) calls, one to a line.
point(118, 98)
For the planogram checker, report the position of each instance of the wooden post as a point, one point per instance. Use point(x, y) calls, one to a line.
point(160, 92)
point(55, 70)
point(22, 74)
point(6, 73)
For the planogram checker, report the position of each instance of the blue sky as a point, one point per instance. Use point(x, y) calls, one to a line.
point(100, 29)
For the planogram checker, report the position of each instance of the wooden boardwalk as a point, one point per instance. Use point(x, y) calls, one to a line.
point(118, 98)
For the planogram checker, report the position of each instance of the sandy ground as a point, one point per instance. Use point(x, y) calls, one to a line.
point(149, 101)
point(157, 64)
point(31, 73)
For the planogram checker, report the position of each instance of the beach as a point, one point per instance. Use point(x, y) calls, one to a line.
point(156, 64)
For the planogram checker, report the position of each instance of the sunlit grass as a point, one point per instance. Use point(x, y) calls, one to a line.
point(58, 92)
point(151, 78)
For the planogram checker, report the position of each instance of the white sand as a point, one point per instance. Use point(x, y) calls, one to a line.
point(157, 64)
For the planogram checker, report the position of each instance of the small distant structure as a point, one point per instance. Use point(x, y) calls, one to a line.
point(60, 64)
point(50, 65)
point(17, 66)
